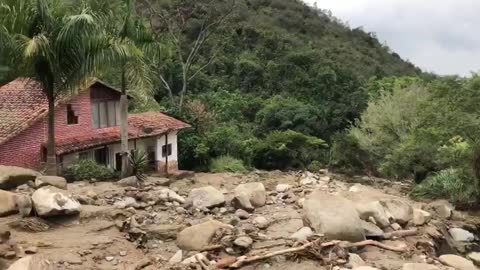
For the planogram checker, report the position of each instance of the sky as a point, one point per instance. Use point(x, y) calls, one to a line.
point(441, 36)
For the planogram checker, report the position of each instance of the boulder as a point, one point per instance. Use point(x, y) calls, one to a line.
point(457, 262)
point(51, 201)
point(283, 188)
point(126, 203)
point(373, 209)
point(400, 211)
point(250, 195)
point(8, 204)
point(55, 181)
point(334, 216)
point(242, 214)
point(199, 236)
point(205, 197)
point(12, 177)
point(131, 181)
point(419, 266)
point(421, 217)
point(31, 263)
point(461, 235)
point(442, 208)
point(475, 257)
point(302, 234)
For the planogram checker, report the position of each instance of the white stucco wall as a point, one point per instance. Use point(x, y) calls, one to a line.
point(172, 139)
point(142, 144)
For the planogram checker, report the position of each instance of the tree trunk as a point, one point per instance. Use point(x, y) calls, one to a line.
point(51, 166)
point(184, 88)
point(124, 126)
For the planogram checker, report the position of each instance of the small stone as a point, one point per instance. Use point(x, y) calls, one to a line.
point(420, 217)
point(457, 262)
point(242, 214)
point(195, 258)
point(222, 211)
point(261, 222)
point(143, 263)
point(176, 258)
point(365, 268)
point(396, 226)
point(226, 261)
point(123, 253)
point(109, 258)
point(180, 210)
point(300, 202)
point(302, 234)
point(283, 188)
point(461, 235)
point(243, 241)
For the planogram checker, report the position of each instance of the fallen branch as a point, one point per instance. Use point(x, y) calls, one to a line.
point(342, 244)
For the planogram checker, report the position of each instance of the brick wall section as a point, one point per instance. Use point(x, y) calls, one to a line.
point(25, 149)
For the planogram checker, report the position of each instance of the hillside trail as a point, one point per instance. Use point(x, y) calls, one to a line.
point(130, 228)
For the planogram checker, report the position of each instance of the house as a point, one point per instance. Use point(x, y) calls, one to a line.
point(86, 127)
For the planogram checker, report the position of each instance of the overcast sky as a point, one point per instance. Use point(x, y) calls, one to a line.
point(442, 36)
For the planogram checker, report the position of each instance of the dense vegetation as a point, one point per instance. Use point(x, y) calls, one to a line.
point(275, 84)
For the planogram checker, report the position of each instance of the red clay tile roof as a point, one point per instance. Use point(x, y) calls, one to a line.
point(21, 103)
point(140, 125)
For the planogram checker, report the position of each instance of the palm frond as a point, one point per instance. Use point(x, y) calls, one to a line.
point(37, 46)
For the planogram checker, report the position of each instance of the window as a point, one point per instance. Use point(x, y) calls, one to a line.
point(84, 155)
point(44, 153)
point(105, 114)
point(101, 156)
point(167, 149)
point(72, 118)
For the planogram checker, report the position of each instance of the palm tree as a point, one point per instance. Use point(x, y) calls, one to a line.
point(60, 52)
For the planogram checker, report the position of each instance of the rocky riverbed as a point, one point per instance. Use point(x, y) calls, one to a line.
point(259, 220)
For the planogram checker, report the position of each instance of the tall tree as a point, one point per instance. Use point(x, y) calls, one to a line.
point(185, 27)
point(127, 35)
point(59, 51)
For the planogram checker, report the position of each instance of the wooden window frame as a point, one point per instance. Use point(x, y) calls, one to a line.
point(70, 114)
point(106, 101)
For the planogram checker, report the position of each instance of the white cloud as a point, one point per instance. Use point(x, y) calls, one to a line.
point(439, 36)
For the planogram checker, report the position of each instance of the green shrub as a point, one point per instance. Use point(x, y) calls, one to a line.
point(88, 169)
point(287, 150)
point(138, 162)
point(227, 164)
point(314, 166)
point(451, 184)
point(346, 155)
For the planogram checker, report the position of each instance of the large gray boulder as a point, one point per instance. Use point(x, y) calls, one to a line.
point(198, 237)
point(56, 181)
point(12, 176)
point(334, 216)
point(205, 197)
point(250, 195)
point(51, 201)
point(7, 203)
point(401, 211)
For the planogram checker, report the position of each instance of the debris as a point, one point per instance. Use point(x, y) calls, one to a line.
point(283, 188)
point(244, 242)
point(420, 217)
point(176, 258)
point(200, 236)
point(261, 222)
point(8, 204)
point(302, 234)
point(401, 211)
point(242, 214)
point(250, 195)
